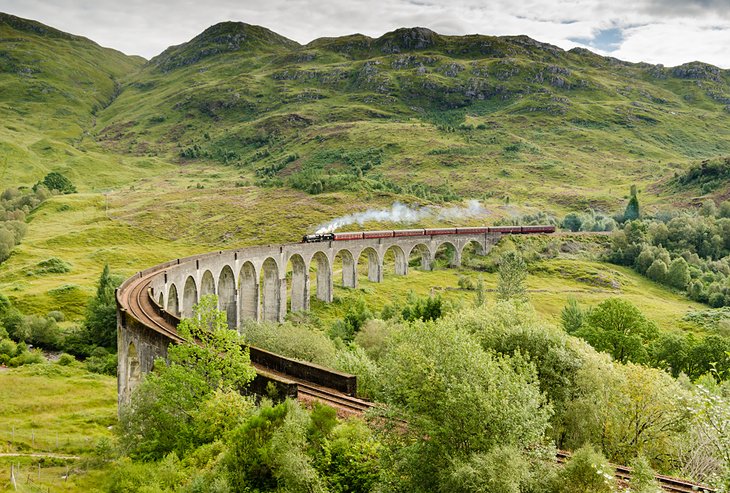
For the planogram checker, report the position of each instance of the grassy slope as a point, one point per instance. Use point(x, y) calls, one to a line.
point(551, 128)
point(57, 410)
point(51, 86)
point(550, 283)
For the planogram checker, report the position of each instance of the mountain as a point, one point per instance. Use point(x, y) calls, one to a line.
point(412, 113)
point(422, 115)
point(51, 86)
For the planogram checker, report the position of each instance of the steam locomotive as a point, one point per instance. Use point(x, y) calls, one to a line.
point(367, 235)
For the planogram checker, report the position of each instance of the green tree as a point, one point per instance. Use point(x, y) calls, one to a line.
point(160, 416)
point(480, 296)
point(657, 271)
point(511, 277)
point(619, 328)
point(572, 316)
point(458, 399)
point(678, 275)
point(58, 182)
point(587, 470)
point(572, 222)
point(101, 313)
point(632, 211)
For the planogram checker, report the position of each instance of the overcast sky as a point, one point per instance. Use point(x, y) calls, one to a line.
point(670, 32)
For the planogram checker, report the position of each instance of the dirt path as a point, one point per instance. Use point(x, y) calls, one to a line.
point(51, 456)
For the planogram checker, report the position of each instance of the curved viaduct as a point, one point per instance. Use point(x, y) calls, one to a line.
point(258, 283)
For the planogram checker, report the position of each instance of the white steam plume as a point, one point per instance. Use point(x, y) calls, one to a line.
point(401, 213)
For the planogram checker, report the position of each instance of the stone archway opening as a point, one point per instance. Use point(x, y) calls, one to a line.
point(395, 261)
point(298, 279)
point(420, 258)
point(473, 256)
point(248, 293)
point(270, 291)
point(190, 297)
point(227, 296)
point(446, 256)
point(322, 268)
point(368, 264)
point(207, 284)
point(345, 265)
point(173, 304)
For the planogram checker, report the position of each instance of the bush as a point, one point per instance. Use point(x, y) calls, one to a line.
point(57, 182)
point(66, 359)
point(572, 316)
point(32, 357)
point(355, 360)
point(501, 470)
point(657, 271)
point(587, 470)
point(56, 315)
point(53, 265)
point(294, 341)
point(102, 362)
point(7, 348)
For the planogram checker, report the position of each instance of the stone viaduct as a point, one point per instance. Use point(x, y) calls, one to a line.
point(258, 283)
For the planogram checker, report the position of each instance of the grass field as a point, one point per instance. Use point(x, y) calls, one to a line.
point(549, 285)
point(60, 413)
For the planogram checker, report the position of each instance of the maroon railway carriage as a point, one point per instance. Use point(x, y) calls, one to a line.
point(538, 229)
point(368, 235)
point(409, 232)
point(348, 236)
point(472, 231)
point(440, 231)
point(506, 229)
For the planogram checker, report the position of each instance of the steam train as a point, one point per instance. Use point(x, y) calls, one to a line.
point(367, 235)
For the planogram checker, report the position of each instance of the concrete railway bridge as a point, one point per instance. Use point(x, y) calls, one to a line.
point(263, 283)
point(259, 283)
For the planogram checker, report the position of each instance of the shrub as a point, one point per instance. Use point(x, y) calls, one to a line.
point(7, 347)
point(53, 265)
point(58, 182)
point(466, 282)
point(501, 470)
point(294, 341)
point(373, 337)
point(572, 316)
point(587, 470)
point(355, 360)
point(32, 357)
point(66, 359)
point(56, 315)
point(512, 275)
point(105, 364)
point(657, 271)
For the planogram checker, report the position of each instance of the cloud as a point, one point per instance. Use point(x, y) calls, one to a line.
point(658, 31)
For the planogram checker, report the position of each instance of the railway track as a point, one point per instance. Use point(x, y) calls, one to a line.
point(136, 300)
point(667, 483)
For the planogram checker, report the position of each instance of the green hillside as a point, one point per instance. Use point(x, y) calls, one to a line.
point(52, 85)
point(413, 110)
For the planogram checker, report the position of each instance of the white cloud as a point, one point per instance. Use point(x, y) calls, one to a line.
point(658, 31)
